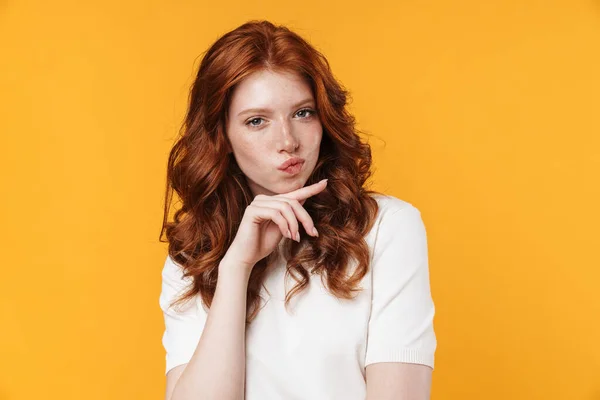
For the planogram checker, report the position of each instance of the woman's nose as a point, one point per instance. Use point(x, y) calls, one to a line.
point(285, 138)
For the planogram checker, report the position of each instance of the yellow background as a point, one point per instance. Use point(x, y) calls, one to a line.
point(486, 117)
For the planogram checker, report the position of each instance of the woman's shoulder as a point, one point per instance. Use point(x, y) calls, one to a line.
point(394, 214)
point(389, 205)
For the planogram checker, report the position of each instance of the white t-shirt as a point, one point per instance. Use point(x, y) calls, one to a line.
point(319, 350)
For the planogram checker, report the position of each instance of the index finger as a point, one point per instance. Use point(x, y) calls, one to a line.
point(305, 192)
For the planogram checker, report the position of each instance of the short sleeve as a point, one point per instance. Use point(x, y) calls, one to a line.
point(184, 322)
point(400, 327)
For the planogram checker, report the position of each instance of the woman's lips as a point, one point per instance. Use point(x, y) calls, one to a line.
point(294, 168)
point(289, 162)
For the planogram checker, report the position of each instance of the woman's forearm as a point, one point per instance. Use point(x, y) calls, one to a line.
point(217, 368)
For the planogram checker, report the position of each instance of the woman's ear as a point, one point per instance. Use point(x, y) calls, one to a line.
point(228, 147)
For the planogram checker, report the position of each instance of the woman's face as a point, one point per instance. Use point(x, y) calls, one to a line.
point(272, 118)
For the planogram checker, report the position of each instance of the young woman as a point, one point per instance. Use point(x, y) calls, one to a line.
point(286, 278)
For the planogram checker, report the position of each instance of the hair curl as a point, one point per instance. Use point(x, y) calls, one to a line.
point(213, 190)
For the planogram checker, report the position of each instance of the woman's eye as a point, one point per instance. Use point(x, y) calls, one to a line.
point(251, 122)
point(307, 112)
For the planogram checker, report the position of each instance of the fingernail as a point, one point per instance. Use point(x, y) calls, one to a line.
point(298, 237)
point(289, 234)
point(315, 231)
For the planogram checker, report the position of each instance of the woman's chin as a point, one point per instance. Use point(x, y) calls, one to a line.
point(279, 187)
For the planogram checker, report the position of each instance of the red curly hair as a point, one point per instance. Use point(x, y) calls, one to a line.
point(213, 190)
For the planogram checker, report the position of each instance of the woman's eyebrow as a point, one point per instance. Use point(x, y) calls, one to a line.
point(267, 110)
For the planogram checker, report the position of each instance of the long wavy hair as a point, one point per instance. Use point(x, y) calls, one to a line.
point(214, 192)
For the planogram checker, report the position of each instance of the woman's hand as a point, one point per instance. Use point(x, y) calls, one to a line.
point(267, 219)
